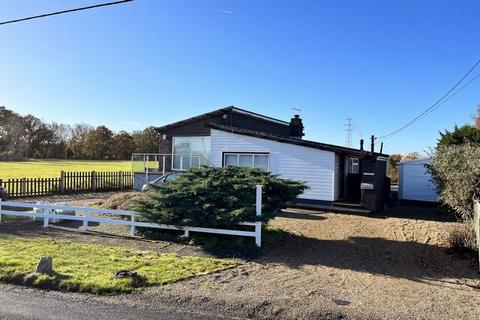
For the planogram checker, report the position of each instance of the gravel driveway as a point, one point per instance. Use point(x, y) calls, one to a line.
point(341, 266)
point(330, 266)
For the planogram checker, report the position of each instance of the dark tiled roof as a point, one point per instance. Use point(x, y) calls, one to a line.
point(218, 112)
point(300, 142)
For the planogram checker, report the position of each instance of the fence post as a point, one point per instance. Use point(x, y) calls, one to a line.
point(121, 180)
point(35, 211)
point(132, 227)
point(258, 204)
point(23, 186)
point(85, 219)
point(93, 181)
point(46, 212)
point(163, 165)
point(4, 188)
point(0, 209)
point(258, 212)
point(476, 222)
point(62, 181)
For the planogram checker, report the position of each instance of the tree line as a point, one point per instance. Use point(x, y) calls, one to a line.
point(26, 136)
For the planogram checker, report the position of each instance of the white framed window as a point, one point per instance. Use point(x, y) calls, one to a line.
point(190, 152)
point(353, 165)
point(249, 160)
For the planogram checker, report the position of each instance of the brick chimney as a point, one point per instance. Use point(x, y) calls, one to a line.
point(296, 127)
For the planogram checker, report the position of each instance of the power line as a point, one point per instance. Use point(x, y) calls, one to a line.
point(437, 104)
point(446, 100)
point(455, 93)
point(65, 11)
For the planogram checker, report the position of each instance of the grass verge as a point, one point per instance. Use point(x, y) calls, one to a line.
point(89, 268)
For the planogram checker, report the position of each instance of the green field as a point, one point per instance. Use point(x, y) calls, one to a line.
point(52, 168)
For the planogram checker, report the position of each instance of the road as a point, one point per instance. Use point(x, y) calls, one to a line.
point(30, 304)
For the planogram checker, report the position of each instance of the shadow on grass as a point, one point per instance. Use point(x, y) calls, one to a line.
point(50, 281)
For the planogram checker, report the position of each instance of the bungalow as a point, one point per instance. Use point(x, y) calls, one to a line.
point(336, 175)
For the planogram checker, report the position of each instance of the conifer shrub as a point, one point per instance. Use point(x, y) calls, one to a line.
point(217, 197)
point(455, 169)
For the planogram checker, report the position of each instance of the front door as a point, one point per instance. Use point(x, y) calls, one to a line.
point(352, 179)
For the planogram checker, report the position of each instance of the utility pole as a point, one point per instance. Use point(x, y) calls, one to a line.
point(348, 130)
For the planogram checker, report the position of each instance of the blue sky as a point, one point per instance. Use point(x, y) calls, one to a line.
point(152, 62)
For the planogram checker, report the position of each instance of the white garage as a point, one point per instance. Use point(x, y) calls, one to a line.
point(415, 182)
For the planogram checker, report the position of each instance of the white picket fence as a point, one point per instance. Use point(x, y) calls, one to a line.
point(56, 212)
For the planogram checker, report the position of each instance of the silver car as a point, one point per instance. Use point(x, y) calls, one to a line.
point(157, 182)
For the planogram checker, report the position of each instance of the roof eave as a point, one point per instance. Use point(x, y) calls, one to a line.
point(304, 143)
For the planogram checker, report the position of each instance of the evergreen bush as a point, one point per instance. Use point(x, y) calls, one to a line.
point(455, 169)
point(217, 197)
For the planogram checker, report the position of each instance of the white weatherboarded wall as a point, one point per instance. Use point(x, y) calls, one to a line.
point(316, 167)
point(415, 182)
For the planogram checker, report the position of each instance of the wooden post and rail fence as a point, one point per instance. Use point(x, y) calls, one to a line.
point(68, 182)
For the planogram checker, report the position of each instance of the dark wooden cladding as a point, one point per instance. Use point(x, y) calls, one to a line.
point(199, 126)
point(230, 116)
point(68, 182)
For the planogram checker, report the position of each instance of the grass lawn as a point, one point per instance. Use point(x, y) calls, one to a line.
point(89, 268)
point(52, 168)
